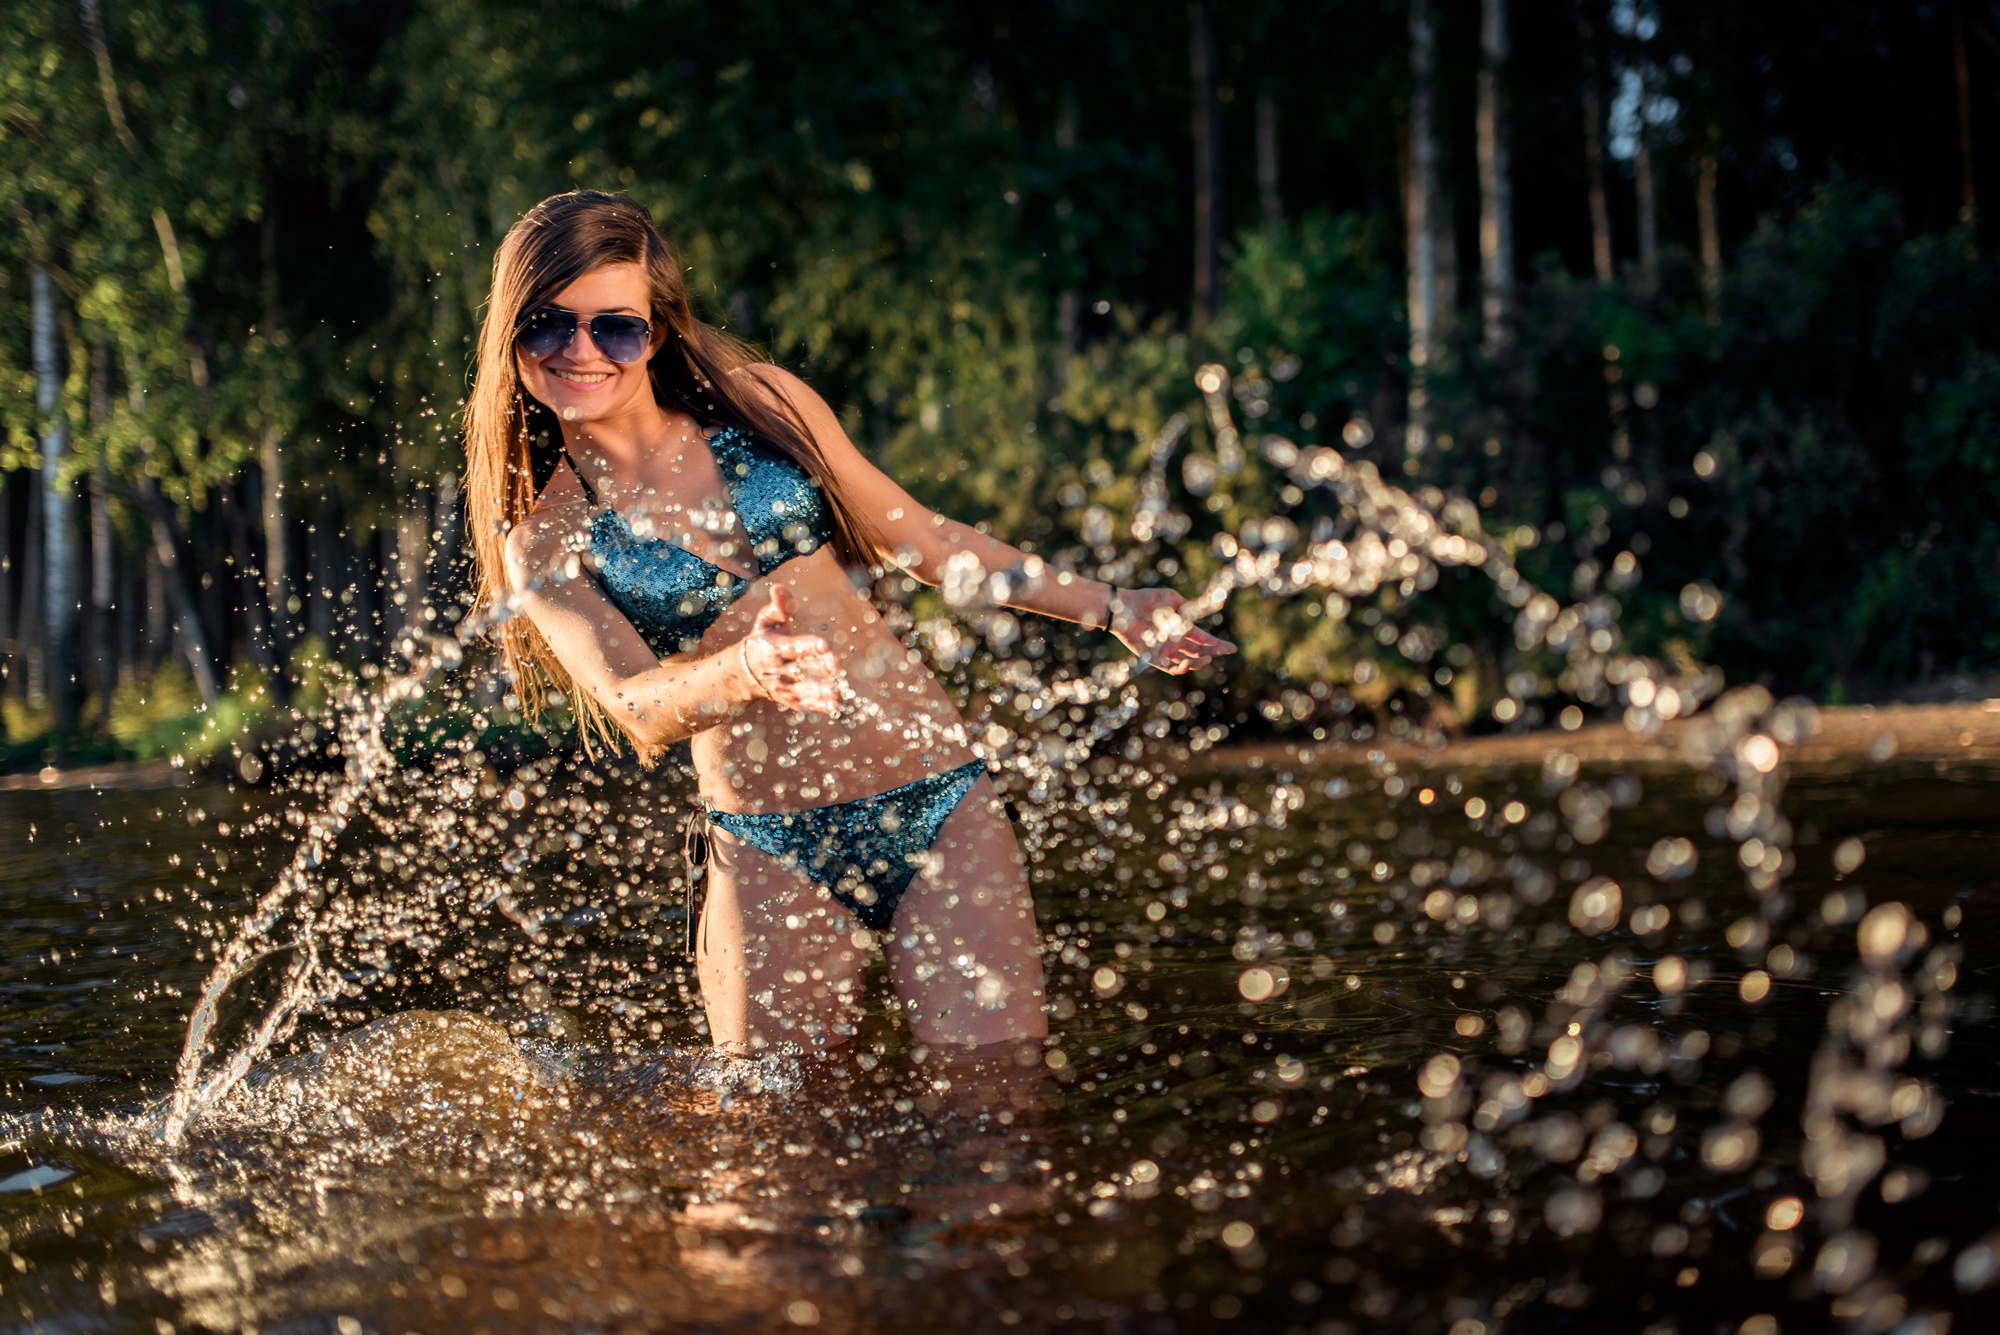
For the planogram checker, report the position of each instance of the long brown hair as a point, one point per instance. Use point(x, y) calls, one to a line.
point(508, 433)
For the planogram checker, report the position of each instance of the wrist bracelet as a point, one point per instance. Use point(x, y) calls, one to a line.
point(743, 656)
point(1114, 607)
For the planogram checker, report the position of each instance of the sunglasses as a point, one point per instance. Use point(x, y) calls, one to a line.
point(622, 338)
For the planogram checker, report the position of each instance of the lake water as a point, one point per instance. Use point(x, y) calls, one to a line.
point(1227, 1130)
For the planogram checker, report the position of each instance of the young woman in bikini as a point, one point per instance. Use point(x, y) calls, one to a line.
point(690, 572)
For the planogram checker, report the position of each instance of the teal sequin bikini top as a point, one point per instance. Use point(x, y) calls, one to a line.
point(670, 595)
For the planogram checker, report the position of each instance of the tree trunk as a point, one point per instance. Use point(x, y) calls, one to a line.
point(1968, 208)
point(318, 576)
point(1711, 233)
point(277, 588)
point(159, 623)
point(182, 605)
point(413, 549)
point(59, 597)
point(262, 633)
point(132, 588)
point(449, 586)
point(1207, 162)
point(103, 551)
point(9, 638)
point(1496, 185)
point(1267, 158)
point(1420, 222)
point(1593, 161)
point(205, 558)
point(33, 625)
point(1444, 242)
point(1649, 217)
point(1069, 301)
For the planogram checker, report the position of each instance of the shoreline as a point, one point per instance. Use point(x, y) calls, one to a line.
point(1933, 733)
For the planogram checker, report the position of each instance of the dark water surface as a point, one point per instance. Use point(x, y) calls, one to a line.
point(534, 1139)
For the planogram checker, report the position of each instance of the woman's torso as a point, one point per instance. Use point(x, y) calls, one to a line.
point(895, 723)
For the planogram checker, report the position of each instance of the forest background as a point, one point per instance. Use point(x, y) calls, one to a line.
point(1695, 300)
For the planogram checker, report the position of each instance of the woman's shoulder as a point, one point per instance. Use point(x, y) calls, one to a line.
point(768, 379)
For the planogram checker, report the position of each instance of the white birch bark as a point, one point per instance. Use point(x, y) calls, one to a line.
point(1420, 223)
point(59, 593)
point(1496, 185)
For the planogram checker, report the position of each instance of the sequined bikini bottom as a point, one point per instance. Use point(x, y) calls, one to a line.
point(865, 852)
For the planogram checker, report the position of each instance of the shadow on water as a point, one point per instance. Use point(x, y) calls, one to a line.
point(1241, 1121)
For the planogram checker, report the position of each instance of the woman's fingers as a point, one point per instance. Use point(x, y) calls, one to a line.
point(803, 675)
point(1191, 652)
point(772, 614)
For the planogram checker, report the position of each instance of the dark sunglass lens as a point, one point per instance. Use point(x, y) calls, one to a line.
point(547, 332)
point(622, 338)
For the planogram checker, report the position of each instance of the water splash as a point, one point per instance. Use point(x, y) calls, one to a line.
point(1477, 1107)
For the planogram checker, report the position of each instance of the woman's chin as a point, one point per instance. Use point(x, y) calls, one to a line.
point(580, 407)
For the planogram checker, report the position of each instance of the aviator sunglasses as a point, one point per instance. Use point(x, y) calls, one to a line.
point(622, 338)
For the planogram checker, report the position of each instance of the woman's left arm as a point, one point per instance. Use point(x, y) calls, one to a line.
point(924, 543)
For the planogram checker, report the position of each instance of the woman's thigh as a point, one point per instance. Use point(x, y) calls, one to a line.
point(778, 959)
point(964, 949)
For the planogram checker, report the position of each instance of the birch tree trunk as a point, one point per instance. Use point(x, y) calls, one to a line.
point(103, 550)
point(1207, 162)
point(33, 625)
point(182, 606)
point(1496, 185)
point(1420, 223)
point(1268, 198)
point(59, 596)
point(263, 635)
point(277, 588)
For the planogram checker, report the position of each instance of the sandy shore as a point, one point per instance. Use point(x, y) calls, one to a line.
point(97, 778)
point(1967, 731)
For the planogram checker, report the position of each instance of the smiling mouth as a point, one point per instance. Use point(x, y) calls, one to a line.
point(583, 378)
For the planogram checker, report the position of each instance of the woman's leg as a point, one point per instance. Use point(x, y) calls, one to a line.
point(777, 957)
point(964, 949)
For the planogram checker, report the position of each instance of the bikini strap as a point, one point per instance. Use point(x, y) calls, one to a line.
point(589, 492)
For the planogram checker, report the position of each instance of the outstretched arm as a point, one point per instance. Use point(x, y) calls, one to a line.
point(925, 544)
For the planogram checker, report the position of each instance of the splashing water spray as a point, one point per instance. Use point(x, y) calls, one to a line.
point(1382, 538)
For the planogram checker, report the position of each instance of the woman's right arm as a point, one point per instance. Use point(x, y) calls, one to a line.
point(661, 701)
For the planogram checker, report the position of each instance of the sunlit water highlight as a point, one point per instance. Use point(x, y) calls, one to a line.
point(1368, 1046)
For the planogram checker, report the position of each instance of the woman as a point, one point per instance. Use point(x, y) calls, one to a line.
point(690, 571)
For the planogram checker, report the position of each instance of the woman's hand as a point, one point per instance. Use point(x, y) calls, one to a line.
point(1150, 621)
point(797, 672)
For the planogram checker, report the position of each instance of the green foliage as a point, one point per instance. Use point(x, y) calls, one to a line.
point(1832, 438)
point(953, 220)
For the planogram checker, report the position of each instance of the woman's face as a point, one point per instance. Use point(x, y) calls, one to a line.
point(578, 382)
